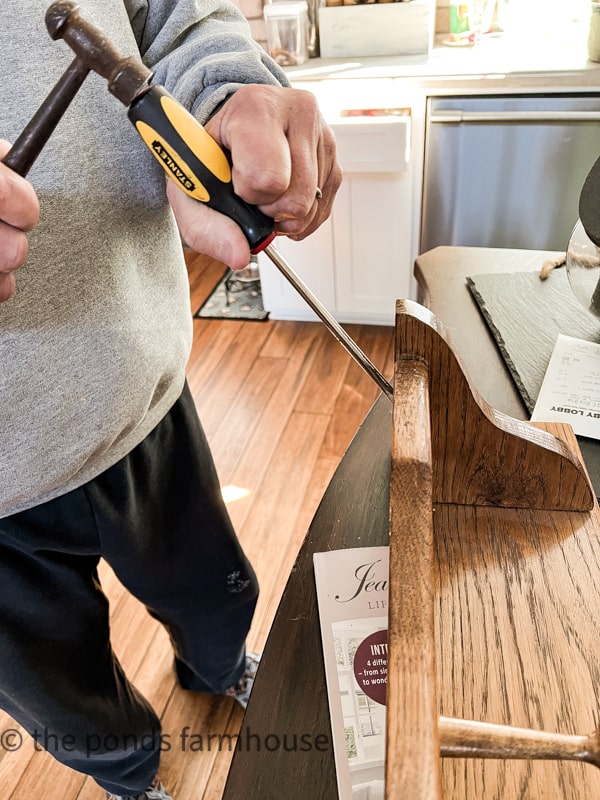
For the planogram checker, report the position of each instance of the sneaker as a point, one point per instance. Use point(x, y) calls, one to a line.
point(156, 791)
point(241, 691)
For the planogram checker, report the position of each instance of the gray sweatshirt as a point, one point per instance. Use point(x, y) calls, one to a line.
point(94, 345)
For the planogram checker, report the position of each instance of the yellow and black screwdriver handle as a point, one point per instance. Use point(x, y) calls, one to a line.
point(195, 161)
point(187, 153)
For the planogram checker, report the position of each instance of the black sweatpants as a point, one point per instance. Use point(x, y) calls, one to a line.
point(158, 519)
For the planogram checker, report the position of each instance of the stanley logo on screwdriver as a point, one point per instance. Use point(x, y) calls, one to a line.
point(164, 155)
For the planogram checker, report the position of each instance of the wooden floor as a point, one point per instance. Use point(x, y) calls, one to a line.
point(280, 402)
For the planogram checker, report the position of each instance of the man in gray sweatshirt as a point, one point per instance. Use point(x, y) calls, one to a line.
point(101, 451)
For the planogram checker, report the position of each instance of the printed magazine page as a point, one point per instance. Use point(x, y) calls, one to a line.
point(352, 593)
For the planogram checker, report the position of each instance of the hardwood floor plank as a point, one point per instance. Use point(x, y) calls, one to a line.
point(48, 779)
point(322, 473)
point(267, 532)
point(89, 790)
point(204, 274)
point(256, 460)
point(131, 632)
point(196, 727)
point(233, 436)
point(358, 392)
point(281, 341)
point(14, 764)
point(155, 677)
point(328, 376)
point(214, 350)
point(226, 380)
point(204, 337)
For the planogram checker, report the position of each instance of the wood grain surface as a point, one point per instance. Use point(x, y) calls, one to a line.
point(481, 456)
point(521, 611)
point(441, 276)
point(469, 739)
point(412, 746)
point(517, 633)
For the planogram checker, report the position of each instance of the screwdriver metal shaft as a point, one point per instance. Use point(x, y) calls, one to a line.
point(329, 320)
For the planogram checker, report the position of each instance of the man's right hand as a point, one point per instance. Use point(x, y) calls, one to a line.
point(19, 213)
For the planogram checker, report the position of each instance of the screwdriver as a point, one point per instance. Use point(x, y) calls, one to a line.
point(194, 160)
point(186, 152)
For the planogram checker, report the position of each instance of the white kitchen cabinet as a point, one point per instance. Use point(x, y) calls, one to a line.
point(312, 259)
point(360, 261)
point(371, 233)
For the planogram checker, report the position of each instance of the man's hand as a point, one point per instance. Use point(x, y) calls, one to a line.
point(281, 151)
point(19, 212)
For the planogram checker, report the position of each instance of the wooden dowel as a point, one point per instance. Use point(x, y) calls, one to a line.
point(461, 738)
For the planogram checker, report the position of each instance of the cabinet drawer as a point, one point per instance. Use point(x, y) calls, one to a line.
point(380, 144)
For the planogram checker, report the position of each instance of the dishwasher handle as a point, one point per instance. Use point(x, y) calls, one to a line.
point(470, 117)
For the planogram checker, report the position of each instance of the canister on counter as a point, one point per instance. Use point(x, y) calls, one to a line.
point(460, 27)
point(594, 33)
point(287, 31)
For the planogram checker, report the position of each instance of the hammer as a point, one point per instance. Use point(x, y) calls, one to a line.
point(126, 78)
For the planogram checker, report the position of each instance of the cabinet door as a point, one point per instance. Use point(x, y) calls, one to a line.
point(312, 260)
point(372, 225)
point(360, 261)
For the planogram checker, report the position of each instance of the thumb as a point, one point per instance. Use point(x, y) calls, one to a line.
point(207, 231)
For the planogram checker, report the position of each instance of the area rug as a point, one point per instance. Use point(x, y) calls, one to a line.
point(234, 299)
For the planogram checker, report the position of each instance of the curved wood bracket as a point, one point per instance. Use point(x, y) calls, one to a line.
point(479, 455)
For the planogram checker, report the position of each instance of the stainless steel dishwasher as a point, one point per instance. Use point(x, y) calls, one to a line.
point(506, 171)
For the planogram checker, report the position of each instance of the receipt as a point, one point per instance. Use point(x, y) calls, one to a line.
point(570, 390)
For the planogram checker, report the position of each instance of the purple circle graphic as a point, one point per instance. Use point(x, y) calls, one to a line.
point(370, 666)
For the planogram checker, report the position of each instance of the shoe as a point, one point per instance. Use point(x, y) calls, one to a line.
point(241, 691)
point(156, 791)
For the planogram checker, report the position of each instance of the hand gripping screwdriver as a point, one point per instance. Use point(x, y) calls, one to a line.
point(186, 151)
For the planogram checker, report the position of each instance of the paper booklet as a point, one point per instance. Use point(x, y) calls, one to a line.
point(570, 391)
point(352, 595)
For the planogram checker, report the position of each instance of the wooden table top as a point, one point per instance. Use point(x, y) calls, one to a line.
point(519, 599)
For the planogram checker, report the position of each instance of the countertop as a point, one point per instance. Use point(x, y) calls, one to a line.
point(496, 64)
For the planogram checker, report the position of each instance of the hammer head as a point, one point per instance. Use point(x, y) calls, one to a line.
point(58, 15)
point(127, 77)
